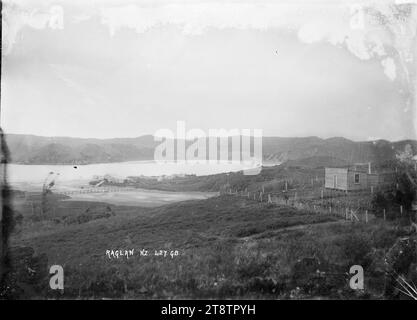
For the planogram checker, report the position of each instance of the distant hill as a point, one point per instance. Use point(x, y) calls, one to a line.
point(29, 149)
point(286, 149)
point(306, 151)
point(317, 162)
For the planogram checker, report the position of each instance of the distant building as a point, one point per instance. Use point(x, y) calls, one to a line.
point(111, 179)
point(355, 178)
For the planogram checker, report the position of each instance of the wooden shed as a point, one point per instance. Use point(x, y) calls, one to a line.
point(350, 179)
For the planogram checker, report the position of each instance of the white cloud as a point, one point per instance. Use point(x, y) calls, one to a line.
point(345, 25)
point(389, 68)
point(196, 18)
point(14, 18)
point(340, 24)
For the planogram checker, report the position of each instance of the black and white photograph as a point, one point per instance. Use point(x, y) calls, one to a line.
point(235, 150)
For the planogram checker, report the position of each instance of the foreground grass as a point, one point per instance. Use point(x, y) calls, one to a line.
point(227, 247)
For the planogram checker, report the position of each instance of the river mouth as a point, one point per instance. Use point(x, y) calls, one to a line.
point(80, 190)
point(74, 181)
point(23, 173)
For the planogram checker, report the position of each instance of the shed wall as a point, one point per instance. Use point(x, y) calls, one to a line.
point(336, 178)
point(363, 180)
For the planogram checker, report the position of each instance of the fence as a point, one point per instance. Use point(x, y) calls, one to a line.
point(96, 190)
point(354, 206)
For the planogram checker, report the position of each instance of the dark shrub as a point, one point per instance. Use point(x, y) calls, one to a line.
point(356, 249)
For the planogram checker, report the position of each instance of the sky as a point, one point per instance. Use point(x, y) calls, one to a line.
point(109, 68)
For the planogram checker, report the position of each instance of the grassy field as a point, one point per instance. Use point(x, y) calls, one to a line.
point(223, 247)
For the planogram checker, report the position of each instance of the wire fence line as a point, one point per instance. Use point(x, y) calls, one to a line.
point(96, 190)
point(354, 206)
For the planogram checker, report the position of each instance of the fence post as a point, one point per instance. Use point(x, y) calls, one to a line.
point(352, 214)
point(366, 216)
point(260, 196)
point(401, 210)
